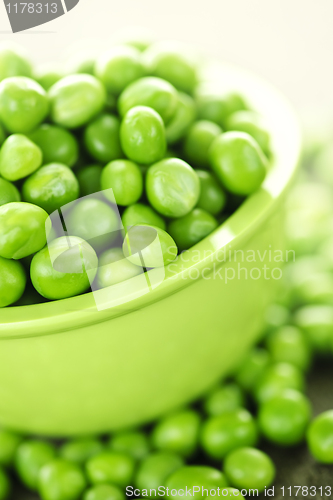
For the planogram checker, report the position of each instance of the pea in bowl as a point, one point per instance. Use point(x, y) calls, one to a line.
point(93, 363)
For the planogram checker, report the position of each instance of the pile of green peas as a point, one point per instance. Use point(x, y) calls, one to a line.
point(136, 120)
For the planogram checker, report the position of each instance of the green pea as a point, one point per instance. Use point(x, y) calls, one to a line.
point(125, 179)
point(13, 62)
point(212, 197)
point(288, 344)
point(4, 485)
point(192, 228)
point(22, 230)
point(284, 418)
point(155, 470)
point(224, 399)
point(104, 492)
point(119, 67)
point(133, 443)
point(19, 157)
point(178, 433)
point(198, 141)
point(80, 450)
point(173, 62)
point(137, 37)
point(154, 246)
point(9, 442)
point(48, 75)
point(57, 144)
point(142, 135)
point(114, 268)
point(89, 178)
point(75, 100)
point(153, 92)
point(30, 457)
point(66, 274)
point(199, 479)
point(320, 437)
point(276, 378)
point(248, 468)
point(173, 187)
point(183, 118)
point(111, 467)
point(142, 214)
point(317, 324)
point(23, 104)
point(217, 107)
point(61, 480)
point(94, 221)
point(8, 192)
point(12, 282)
point(252, 368)
point(101, 138)
point(2, 135)
point(251, 123)
point(51, 187)
point(276, 316)
point(238, 162)
point(224, 433)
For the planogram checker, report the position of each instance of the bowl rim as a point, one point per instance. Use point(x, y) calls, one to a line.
point(80, 311)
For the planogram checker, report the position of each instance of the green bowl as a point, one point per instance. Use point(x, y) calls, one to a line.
point(70, 367)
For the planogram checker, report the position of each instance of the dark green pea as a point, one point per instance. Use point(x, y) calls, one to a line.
point(125, 179)
point(178, 433)
point(155, 470)
point(196, 478)
point(2, 135)
point(80, 450)
point(198, 141)
point(320, 437)
point(104, 492)
point(12, 284)
point(101, 138)
point(9, 442)
point(133, 443)
point(61, 480)
point(4, 485)
point(252, 368)
point(30, 457)
point(229, 431)
point(142, 214)
point(111, 467)
point(251, 123)
point(89, 178)
point(57, 144)
point(276, 378)
point(189, 230)
point(224, 399)
point(288, 344)
point(19, 157)
point(212, 197)
point(8, 192)
point(183, 118)
point(51, 187)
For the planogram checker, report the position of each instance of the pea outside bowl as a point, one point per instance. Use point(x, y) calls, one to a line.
point(70, 367)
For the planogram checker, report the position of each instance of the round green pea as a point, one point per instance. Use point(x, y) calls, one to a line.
point(212, 197)
point(150, 244)
point(224, 399)
point(51, 187)
point(252, 368)
point(48, 75)
point(217, 107)
point(173, 187)
point(23, 104)
point(89, 178)
point(142, 135)
point(229, 431)
point(178, 433)
point(8, 192)
point(198, 141)
point(61, 480)
point(66, 274)
point(288, 344)
point(104, 492)
point(155, 469)
point(22, 230)
point(249, 468)
point(284, 418)
point(198, 477)
point(251, 123)
point(111, 467)
point(30, 457)
point(4, 485)
point(12, 282)
point(277, 377)
point(80, 450)
point(320, 437)
point(316, 321)
point(19, 157)
point(192, 228)
point(76, 99)
point(94, 221)
point(276, 315)
point(13, 61)
point(238, 162)
point(119, 67)
point(153, 92)
point(114, 268)
point(182, 119)
point(125, 179)
point(9, 442)
point(142, 214)
point(133, 443)
point(101, 138)
point(57, 144)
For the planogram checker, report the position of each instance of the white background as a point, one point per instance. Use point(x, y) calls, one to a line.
point(290, 42)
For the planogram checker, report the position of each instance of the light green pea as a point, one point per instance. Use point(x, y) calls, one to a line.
point(250, 469)
point(183, 118)
point(8, 192)
point(19, 157)
point(317, 324)
point(288, 344)
point(251, 123)
point(30, 457)
point(104, 492)
point(277, 377)
point(61, 480)
point(202, 477)
point(155, 470)
point(142, 214)
point(12, 284)
point(13, 61)
point(224, 399)
point(111, 467)
point(80, 450)
point(125, 179)
point(114, 268)
point(133, 443)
